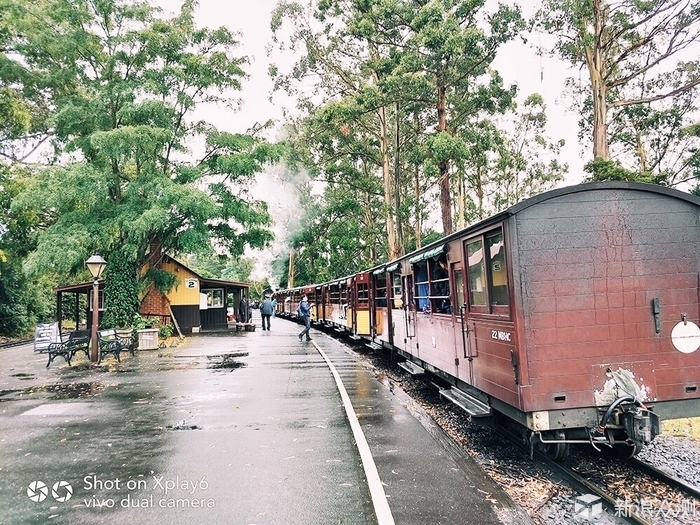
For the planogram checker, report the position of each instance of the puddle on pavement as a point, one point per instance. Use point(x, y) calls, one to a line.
point(182, 425)
point(56, 391)
point(226, 361)
point(23, 376)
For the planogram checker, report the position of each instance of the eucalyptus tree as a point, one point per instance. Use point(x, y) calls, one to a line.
point(345, 53)
point(635, 53)
point(451, 47)
point(342, 228)
point(130, 177)
point(527, 160)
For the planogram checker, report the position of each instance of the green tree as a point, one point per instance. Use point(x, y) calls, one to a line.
point(628, 49)
point(131, 80)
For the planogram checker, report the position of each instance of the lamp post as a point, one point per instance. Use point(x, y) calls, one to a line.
point(95, 265)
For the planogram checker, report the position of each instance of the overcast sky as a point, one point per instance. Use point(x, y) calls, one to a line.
point(517, 63)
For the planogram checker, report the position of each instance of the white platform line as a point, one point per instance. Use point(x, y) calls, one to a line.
point(376, 489)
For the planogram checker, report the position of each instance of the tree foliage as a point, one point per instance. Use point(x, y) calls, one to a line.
point(123, 82)
point(643, 76)
point(403, 122)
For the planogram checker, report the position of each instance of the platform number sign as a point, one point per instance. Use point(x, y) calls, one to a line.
point(191, 283)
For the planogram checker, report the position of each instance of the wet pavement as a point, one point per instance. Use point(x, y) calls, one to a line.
point(235, 428)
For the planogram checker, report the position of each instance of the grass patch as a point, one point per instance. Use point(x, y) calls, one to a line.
point(687, 427)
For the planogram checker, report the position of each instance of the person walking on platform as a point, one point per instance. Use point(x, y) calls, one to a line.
point(266, 311)
point(242, 311)
point(305, 314)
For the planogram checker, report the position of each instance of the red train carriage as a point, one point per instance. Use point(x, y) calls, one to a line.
point(573, 313)
point(577, 314)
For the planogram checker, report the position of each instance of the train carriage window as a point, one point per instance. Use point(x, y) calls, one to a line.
point(432, 288)
point(422, 294)
point(476, 273)
point(487, 274)
point(459, 287)
point(498, 280)
point(362, 294)
point(380, 290)
point(440, 300)
point(397, 294)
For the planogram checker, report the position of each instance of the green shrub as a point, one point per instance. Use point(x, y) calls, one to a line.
point(165, 331)
point(121, 292)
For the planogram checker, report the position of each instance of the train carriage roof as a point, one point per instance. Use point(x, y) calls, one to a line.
point(437, 247)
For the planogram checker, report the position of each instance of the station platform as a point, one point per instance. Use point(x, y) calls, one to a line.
point(229, 428)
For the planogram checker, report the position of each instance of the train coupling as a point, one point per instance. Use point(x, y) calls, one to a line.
point(640, 425)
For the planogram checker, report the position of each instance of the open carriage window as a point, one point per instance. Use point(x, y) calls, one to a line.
point(433, 286)
point(422, 292)
point(362, 294)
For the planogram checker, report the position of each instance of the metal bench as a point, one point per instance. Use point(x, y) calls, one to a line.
point(78, 340)
point(108, 342)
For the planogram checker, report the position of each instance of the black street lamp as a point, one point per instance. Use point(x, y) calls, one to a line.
point(95, 265)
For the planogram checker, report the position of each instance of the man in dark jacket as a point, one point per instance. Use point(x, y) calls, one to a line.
point(305, 314)
point(266, 311)
point(242, 311)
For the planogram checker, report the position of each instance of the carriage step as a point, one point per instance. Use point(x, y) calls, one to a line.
point(471, 405)
point(374, 346)
point(354, 337)
point(339, 330)
point(412, 368)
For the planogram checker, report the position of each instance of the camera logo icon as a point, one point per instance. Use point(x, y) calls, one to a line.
point(37, 491)
point(61, 491)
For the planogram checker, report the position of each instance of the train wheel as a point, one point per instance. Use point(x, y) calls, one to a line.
point(555, 451)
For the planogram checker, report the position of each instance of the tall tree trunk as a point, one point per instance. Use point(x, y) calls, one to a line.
point(460, 201)
point(595, 62)
point(290, 273)
point(416, 191)
point(401, 244)
point(641, 151)
point(416, 194)
point(444, 166)
point(389, 189)
point(479, 192)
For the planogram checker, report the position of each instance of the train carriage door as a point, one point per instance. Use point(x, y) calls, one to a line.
point(409, 307)
point(461, 305)
point(395, 297)
point(379, 302)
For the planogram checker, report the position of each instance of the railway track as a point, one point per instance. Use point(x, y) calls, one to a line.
point(644, 495)
point(10, 344)
point(631, 491)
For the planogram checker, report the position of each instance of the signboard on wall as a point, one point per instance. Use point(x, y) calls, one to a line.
point(191, 283)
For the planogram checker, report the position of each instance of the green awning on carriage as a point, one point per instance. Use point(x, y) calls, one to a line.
point(429, 254)
point(392, 268)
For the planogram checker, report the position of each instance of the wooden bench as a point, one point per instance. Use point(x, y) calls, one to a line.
point(108, 342)
point(78, 340)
